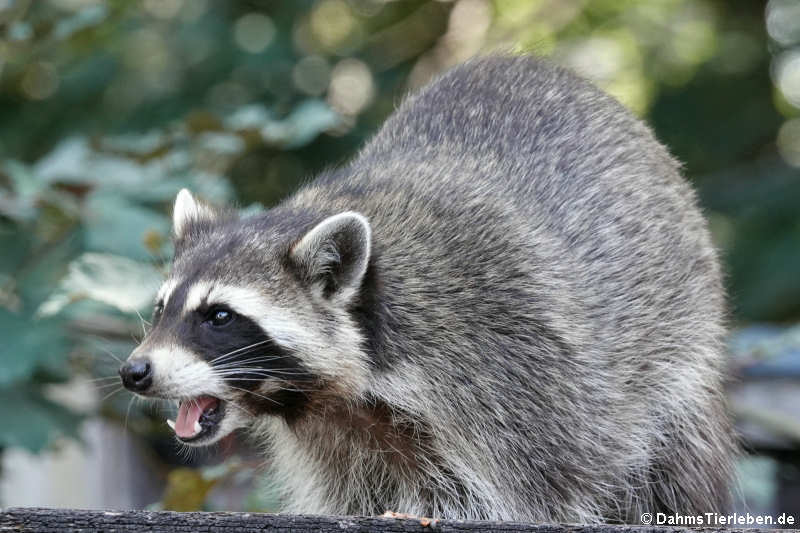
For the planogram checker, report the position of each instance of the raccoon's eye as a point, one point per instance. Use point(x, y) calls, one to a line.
point(219, 316)
point(158, 310)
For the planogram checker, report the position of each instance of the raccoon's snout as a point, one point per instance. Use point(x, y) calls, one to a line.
point(137, 375)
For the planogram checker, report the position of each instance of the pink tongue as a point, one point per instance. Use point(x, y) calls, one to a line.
point(188, 413)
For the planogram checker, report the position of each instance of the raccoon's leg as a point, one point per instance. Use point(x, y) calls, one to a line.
point(694, 473)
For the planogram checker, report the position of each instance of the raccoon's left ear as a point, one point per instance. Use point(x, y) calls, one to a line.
point(187, 210)
point(333, 256)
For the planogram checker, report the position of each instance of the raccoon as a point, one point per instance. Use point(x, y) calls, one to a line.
point(506, 307)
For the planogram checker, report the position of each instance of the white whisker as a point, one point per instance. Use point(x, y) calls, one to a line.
point(128, 411)
point(239, 350)
point(112, 393)
point(107, 351)
point(230, 379)
point(256, 394)
point(104, 378)
point(261, 359)
point(232, 404)
point(259, 371)
point(106, 385)
point(143, 321)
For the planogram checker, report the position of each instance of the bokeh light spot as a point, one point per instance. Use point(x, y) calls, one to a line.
point(599, 58)
point(146, 50)
point(193, 10)
point(311, 75)
point(467, 28)
point(332, 22)
point(782, 21)
point(40, 81)
point(163, 9)
point(74, 5)
point(254, 32)
point(789, 142)
point(228, 95)
point(738, 52)
point(693, 35)
point(352, 88)
point(20, 31)
point(787, 76)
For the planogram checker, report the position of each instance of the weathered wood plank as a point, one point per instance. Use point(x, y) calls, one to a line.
point(76, 521)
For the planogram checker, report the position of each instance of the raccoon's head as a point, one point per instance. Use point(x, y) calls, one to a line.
point(254, 318)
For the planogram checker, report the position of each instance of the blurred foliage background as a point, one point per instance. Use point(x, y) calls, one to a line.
point(108, 108)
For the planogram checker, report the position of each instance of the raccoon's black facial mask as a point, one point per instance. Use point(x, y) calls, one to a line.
point(237, 349)
point(219, 317)
point(244, 359)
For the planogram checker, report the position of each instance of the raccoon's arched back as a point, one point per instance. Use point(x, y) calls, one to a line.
point(540, 264)
point(534, 327)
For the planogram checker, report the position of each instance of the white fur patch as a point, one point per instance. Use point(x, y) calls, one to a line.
point(186, 210)
point(178, 373)
point(249, 303)
point(166, 291)
point(274, 320)
point(338, 359)
point(195, 296)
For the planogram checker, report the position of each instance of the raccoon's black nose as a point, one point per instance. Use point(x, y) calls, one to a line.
point(137, 375)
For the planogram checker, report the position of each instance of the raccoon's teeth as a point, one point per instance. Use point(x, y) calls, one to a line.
point(171, 423)
point(197, 427)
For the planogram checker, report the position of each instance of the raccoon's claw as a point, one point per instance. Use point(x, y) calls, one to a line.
point(423, 521)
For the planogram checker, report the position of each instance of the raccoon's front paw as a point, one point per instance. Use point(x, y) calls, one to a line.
point(423, 521)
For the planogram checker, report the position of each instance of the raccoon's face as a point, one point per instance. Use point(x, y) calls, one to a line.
point(253, 319)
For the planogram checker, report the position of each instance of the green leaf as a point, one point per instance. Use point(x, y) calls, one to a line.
point(117, 281)
point(15, 242)
point(118, 226)
point(27, 344)
point(43, 268)
point(26, 187)
point(85, 18)
point(302, 126)
point(31, 421)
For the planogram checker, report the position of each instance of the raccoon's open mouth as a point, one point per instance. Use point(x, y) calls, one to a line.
point(198, 418)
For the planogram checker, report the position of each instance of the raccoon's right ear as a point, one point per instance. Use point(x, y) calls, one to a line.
point(333, 256)
point(188, 210)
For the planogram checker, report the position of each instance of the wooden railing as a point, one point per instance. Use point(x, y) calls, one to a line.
point(68, 520)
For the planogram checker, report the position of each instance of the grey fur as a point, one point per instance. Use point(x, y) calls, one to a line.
point(538, 335)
